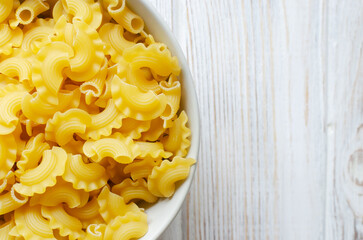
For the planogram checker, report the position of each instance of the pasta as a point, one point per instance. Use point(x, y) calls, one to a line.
point(91, 125)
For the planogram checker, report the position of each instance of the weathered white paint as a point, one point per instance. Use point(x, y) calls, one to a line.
point(280, 87)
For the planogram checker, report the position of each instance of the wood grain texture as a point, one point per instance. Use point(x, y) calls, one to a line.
point(280, 87)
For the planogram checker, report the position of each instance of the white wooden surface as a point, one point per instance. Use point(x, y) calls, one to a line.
point(280, 87)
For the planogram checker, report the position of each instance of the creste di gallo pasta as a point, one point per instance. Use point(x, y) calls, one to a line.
point(90, 121)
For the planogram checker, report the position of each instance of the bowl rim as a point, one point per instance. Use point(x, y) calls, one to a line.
point(149, 13)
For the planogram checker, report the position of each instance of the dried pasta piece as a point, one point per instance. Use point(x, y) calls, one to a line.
point(172, 91)
point(11, 201)
point(5, 228)
point(113, 205)
point(84, 176)
point(88, 214)
point(17, 67)
point(155, 131)
point(37, 34)
point(162, 180)
point(36, 180)
point(55, 56)
point(74, 147)
point(119, 148)
point(8, 150)
point(62, 192)
point(7, 182)
point(131, 226)
point(6, 7)
point(152, 149)
point(31, 225)
point(134, 190)
point(177, 141)
point(95, 231)
point(10, 102)
point(104, 122)
point(157, 60)
point(87, 11)
point(63, 126)
point(142, 168)
point(32, 154)
point(102, 101)
point(143, 80)
point(39, 111)
point(67, 225)
point(9, 38)
point(29, 10)
point(133, 128)
point(136, 104)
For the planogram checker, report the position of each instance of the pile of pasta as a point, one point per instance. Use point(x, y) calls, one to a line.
point(90, 121)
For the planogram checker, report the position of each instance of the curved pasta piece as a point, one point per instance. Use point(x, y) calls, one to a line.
point(104, 122)
point(7, 182)
point(32, 154)
point(131, 226)
point(158, 60)
point(6, 7)
point(39, 111)
point(88, 214)
point(177, 141)
point(60, 219)
point(63, 126)
point(55, 56)
point(124, 16)
point(74, 147)
point(155, 131)
point(11, 201)
point(115, 171)
point(141, 168)
point(152, 149)
point(62, 192)
point(37, 33)
point(136, 104)
point(162, 180)
point(119, 148)
point(133, 128)
point(134, 190)
point(172, 91)
point(10, 102)
point(113, 205)
point(9, 38)
point(36, 180)
point(86, 11)
point(95, 231)
point(88, 53)
point(106, 95)
point(29, 10)
point(6, 228)
point(31, 225)
point(84, 176)
point(8, 150)
point(143, 80)
point(18, 67)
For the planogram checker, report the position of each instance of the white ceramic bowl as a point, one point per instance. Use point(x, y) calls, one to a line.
point(163, 212)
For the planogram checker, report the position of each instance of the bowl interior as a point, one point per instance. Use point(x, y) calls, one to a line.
point(163, 212)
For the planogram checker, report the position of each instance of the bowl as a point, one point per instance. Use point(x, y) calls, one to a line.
point(161, 214)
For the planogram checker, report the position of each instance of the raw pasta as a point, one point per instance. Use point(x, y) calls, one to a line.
point(90, 121)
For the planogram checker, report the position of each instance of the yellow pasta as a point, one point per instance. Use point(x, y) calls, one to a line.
point(95, 231)
point(6, 7)
point(155, 131)
point(141, 168)
point(8, 150)
point(17, 67)
point(152, 149)
point(133, 128)
point(131, 190)
point(143, 80)
point(7, 182)
point(162, 180)
point(11, 201)
point(87, 11)
point(29, 9)
point(5, 230)
point(9, 38)
point(36, 34)
point(172, 91)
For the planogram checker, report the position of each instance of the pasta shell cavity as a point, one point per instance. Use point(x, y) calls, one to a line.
point(162, 180)
point(8, 150)
point(36, 180)
point(11, 201)
point(29, 9)
point(96, 231)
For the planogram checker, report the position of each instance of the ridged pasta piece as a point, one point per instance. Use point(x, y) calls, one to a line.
point(134, 190)
point(20, 139)
point(10, 102)
point(87, 11)
point(11, 201)
point(32, 154)
point(17, 67)
point(6, 228)
point(158, 60)
point(6, 7)
point(162, 180)
point(113, 205)
point(133, 128)
point(31, 225)
point(37, 33)
point(136, 104)
point(7, 182)
point(63, 126)
point(86, 176)
point(88, 53)
point(88, 214)
point(62, 192)
point(9, 38)
point(106, 95)
point(55, 56)
point(94, 87)
point(131, 226)
point(74, 147)
point(65, 223)
point(142, 168)
point(95, 231)
point(155, 131)
point(8, 150)
point(39, 111)
point(104, 122)
point(152, 149)
point(29, 10)
point(177, 141)
point(172, 91)
point(119, 148)
point(143, 80)
point(124, 16)
point(36, 180)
